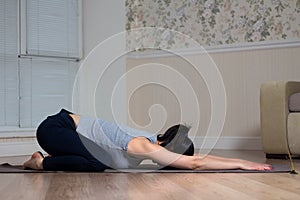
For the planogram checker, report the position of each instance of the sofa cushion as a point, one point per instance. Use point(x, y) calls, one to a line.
point(293, 132)
point(294, 102)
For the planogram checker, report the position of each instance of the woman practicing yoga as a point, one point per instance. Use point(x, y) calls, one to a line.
point(81, 143)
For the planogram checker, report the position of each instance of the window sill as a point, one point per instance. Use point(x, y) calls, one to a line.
point(16, 132)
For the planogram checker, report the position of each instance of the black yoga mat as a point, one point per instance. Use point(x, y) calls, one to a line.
point(7, 168)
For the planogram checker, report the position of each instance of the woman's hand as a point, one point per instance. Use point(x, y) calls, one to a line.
point(215, 162)
point(247, 165)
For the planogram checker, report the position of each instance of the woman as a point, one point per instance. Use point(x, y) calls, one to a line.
point(81, 143)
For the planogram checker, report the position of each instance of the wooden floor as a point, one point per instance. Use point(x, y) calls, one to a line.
point(152, 186)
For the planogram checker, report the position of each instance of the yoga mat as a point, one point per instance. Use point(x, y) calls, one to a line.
point(7, 168)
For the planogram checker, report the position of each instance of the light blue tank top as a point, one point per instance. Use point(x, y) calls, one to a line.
point(113, 138)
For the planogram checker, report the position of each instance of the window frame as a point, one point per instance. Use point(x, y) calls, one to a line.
point(22, 26)
point(17, 131)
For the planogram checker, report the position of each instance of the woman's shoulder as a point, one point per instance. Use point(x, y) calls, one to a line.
point(141, 145)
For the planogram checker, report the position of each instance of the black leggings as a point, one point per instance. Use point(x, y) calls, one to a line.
point(68, 150)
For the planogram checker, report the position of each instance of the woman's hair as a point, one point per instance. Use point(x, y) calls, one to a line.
point(176, 139)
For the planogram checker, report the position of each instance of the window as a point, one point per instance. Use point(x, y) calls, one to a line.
point(9, 91)
point(45, 86)
point(48, 44)
point(51, 28)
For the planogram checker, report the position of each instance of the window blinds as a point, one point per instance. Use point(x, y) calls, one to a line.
point(9, 106)
point(52, 36)
point(46, 87)
point(39, 85)
point(52, 28)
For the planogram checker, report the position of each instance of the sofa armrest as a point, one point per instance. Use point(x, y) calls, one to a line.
point(274, 110)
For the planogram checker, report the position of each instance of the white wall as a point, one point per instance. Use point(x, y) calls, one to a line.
point(102, 19)
point(242, 73)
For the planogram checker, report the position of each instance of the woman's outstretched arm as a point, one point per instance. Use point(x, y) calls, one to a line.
point(215, 162)
point(144, 148)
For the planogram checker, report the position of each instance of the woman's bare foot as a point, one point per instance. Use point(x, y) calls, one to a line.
point(35, 162)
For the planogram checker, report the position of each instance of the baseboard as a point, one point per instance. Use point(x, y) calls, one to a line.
point(19, 148)
point(228, 143)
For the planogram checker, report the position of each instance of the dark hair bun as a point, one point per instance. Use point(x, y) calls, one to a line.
point(176, 139)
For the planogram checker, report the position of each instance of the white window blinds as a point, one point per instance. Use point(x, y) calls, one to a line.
point(51, 35)
point(9, 106)
point(41, 83)
point(46, 87)
point(51, 28)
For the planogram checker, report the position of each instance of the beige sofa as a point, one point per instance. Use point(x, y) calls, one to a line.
point(280, 118)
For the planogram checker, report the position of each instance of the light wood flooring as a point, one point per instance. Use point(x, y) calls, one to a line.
point(153, 186)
